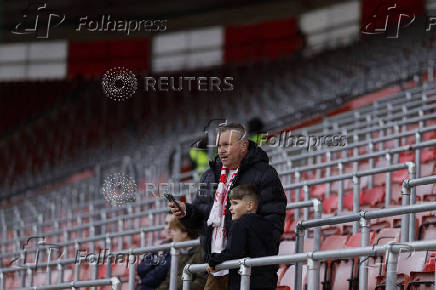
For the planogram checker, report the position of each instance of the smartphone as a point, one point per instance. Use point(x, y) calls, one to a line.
point(171, 198)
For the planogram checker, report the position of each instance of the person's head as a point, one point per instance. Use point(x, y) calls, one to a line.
point(166, 232)
point(243, 199)
point(180, 233)
point(232, 144)
point(255, 126)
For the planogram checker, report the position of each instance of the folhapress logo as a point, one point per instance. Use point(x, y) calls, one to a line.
point(391, 19)
point(38, 20)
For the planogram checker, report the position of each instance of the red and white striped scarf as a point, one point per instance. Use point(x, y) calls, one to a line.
point(218, 213)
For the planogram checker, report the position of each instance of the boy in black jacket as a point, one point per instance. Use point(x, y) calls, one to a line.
point(250, 236)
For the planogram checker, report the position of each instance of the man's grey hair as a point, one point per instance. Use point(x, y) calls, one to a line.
point(234, 128)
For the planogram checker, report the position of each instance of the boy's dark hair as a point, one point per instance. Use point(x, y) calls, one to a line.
point(176, 224)
point(245, 190)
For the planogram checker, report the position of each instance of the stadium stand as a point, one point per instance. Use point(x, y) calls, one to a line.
point(361, 215)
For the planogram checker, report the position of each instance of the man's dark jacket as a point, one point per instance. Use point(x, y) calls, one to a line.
point(254, 170)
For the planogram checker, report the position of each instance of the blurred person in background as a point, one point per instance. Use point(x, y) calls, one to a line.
point(191, 255)
point(200, 157)
point(255, 131)
point(153, 269)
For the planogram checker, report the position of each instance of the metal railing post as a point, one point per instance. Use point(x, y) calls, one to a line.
point(245, 273)
point(418, 156)
point(131, 260)
point(174, 266)
point(297, 193)
point(187, 278)
point(30, 277)
point(299, 248)
point(116, 283)
point(388, 197)
point(364, 242)
point(412, 201)
point(313, 271)
point(317, 208)
point(77, 265)
point(328, 174)
point(2, 281)
point(356, 200)
point(306, 190)
point(341, 188)
point(371, 165)
point(405, 192)
point(391, 268)
point(61, 273)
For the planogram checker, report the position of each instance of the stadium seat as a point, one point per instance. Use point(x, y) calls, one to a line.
point(387, 235)
point(354, 240)
point(373, 196)
point(407, 156)
point(428, 155)
point(318, 191)
point(330, 204)
point(334, 242)
point(348, 200)
point(400, 175)
point(421, 280)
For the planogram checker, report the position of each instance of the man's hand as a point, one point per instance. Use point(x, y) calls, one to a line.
point(176, 211)
point(210, 269)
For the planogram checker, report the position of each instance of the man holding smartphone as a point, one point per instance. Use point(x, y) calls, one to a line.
point(239, 161)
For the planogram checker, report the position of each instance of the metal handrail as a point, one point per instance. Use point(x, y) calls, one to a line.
point(315, 203)
point(114, 282)
point(313, 258)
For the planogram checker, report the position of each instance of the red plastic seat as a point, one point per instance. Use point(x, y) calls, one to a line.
point(348, 200)
point(407, 156)
point(386, 222)
point(429, 136)
point(342, 272)
point(385, 236)
point(428, 168)
point(428, 232)
point(421, 280)
point(354, 240)
point(379, 179)
point(318, 191)
point(330, 204)
point(411, 261)
point(423, 190)
point(334, 242)
point(40, 279)
point(428, 155)
point(372, 196)
point(400, 175)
